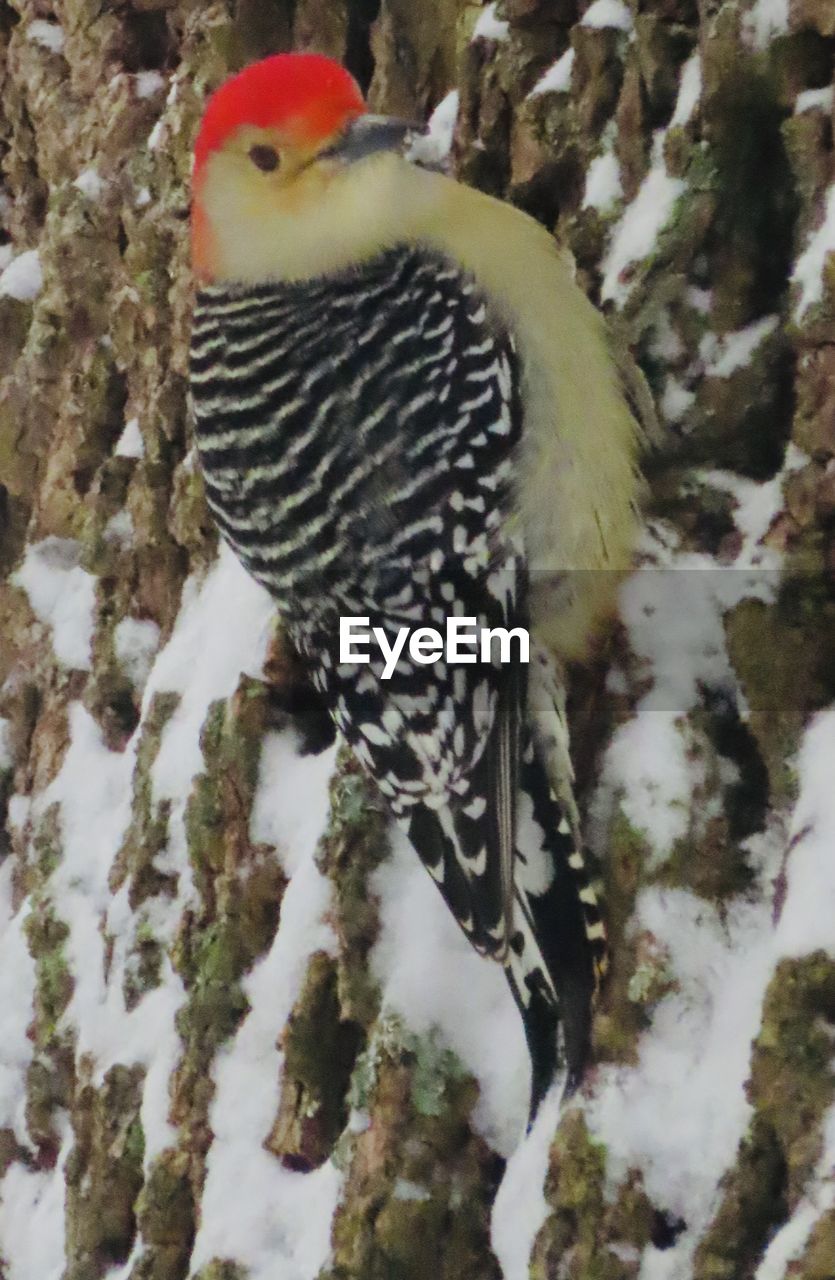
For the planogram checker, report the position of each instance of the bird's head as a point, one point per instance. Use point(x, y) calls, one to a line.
point(288, 180)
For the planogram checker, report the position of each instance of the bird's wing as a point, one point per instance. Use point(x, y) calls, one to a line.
point(502, 788)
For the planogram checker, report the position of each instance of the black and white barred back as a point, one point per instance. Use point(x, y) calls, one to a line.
point(357, 435)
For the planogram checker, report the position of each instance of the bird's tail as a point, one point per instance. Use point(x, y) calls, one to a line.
point(559, 954)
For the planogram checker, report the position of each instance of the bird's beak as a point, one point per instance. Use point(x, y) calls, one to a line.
point(368, 134)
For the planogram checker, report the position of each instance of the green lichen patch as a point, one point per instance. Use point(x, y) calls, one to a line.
point(753, 1206)
point(44, 849)
point(46, 934)
point(110, 699)
point(354, 843)
point(49, 1087)
point(240, 885)
point(147, 833)
point(419, 1183)
point(189, 520)
point(746, 415)
point(806, 138)
point(792, 1079)
point(217, 815)
point(791, 1087)
point(620, 1017)
point(216, 1002)
point(783, 662)
point(143, 965)
point(220, 1269)
point(751, 240)
point(320, 1050)
point(104, 1172)
point(10, 1150)
point(165, 1217)
point(814, 420)
point(816, 1261)
point(652, 978)
point(708, 859)
point(589, 1235)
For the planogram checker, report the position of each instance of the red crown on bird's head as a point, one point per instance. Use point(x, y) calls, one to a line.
point(305, 96)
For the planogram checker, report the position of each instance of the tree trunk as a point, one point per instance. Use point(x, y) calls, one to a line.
point(239, 1034)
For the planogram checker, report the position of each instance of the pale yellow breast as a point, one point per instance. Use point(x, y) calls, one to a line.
point(577, 482)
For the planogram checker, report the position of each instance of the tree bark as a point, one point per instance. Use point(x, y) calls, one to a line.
point(688, 119)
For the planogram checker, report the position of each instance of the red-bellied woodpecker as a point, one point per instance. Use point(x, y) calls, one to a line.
point(406, 410)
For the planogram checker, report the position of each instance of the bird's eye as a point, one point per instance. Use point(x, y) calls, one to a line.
point(264, 158)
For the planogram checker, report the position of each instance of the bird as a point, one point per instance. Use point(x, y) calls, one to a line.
point(406, 410)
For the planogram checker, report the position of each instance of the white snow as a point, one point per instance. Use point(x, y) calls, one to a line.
point(679, 1113)
point(819, 1198)
point(143, 198)
point(18, 813)
point(764, 21)
point(814, 100)
point(700, 300)
point(676, 400)
point(135, 642)
point(278, 1221)
point(90, 184)
point(806, 921)
point(94, 794)
point(23, 277)
point(603, 185)
point(433, 147)
point(608, 13)
point(17, 987)
point(6, 761)
point(723, 356)
point(47, 34)
point(155, 136)
point(93, 791)
point(120, 529)
point(557, 79)
point(147, 83)
point(130, 443)
point(646, 768)
point(231, 608)
point(665, 341)
point(635, 235)
point(689, 91)
point(520, 1208)
point(293, 829)
point(32, 1217)
point(808, 270)
point(489, 27)
point(62, 596)
point(405, 1190)
point(673, 608)
point(433, 979)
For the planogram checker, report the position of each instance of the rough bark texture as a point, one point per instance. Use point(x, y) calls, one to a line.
point(104, 341)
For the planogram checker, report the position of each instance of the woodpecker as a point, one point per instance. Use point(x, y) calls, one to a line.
point(407, 410)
